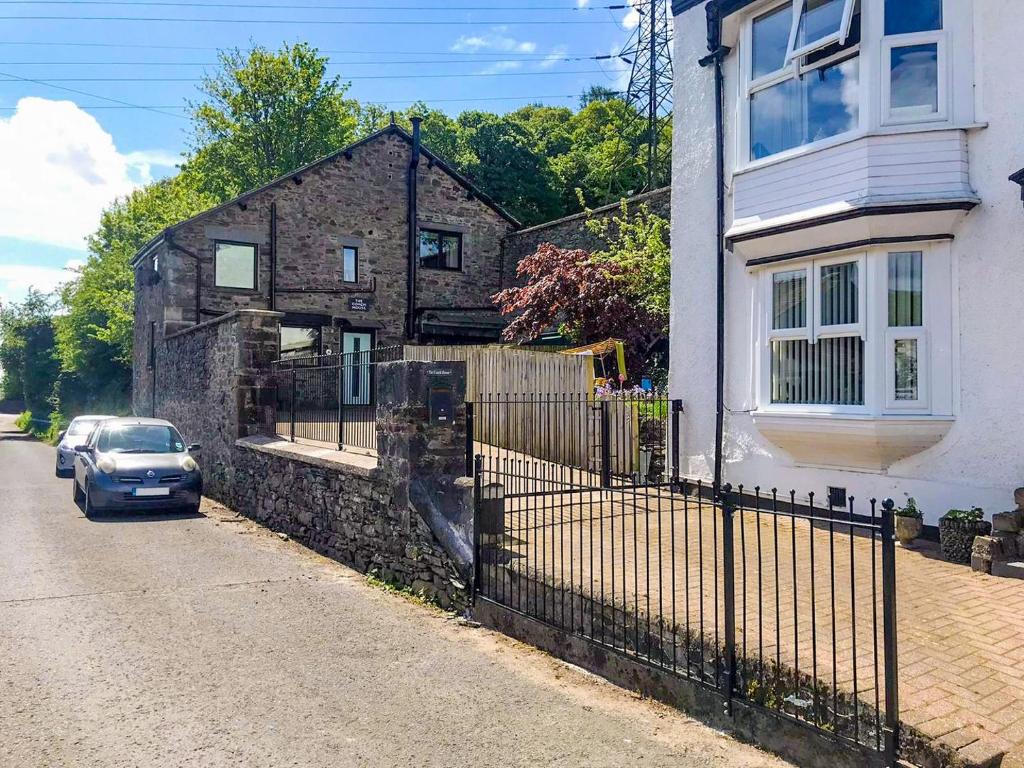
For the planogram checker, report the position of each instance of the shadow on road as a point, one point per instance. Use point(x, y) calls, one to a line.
point(138, 515)
point(15, 436)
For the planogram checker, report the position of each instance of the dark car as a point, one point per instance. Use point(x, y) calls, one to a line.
point(137, 463)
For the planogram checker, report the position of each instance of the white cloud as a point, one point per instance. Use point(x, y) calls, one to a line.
point(16, 279)
point(60, 169)
point(556, 55)
point(632, 18)
point(500, 66)
point(496, 39)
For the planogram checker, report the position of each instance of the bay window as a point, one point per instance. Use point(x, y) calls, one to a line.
point(842, 329)
point(804, 74)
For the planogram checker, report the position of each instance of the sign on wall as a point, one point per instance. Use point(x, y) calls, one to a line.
point(359, 304)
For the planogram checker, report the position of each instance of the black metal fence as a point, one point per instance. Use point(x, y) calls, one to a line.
point(759, 595)
point(331, 399)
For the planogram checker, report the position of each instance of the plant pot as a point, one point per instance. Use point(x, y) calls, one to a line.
point(956, 537)
point(908, 529)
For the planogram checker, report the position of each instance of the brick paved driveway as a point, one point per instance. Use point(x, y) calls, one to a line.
point(654, 553)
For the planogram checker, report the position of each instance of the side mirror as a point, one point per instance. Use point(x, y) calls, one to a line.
point(194, 448)
point(60, 435)
point(83, 449)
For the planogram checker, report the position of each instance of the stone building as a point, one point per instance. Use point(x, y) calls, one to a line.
point(378, 243)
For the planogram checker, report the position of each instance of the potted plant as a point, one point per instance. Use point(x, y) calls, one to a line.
point(909, 522)
point(957, 530)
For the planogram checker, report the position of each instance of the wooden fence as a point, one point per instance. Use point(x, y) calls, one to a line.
point(540, 404)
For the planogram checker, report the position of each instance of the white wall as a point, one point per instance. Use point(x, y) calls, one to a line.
point(981, 460)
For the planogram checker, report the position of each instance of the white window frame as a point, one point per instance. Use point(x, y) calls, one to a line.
point(789, 70)
point(813, 332)
point(923, 401)
point(840, 36)
point(939, 38)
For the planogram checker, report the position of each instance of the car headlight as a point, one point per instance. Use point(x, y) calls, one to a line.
point(106, 465)
point(189, 464)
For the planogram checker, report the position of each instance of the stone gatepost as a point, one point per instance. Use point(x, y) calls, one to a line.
point(421, 442)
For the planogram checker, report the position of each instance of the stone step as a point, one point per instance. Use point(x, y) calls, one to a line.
point(1011, 569)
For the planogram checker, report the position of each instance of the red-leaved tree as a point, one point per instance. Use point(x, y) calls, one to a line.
point(585, 300)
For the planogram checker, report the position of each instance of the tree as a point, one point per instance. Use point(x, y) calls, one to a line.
point(27, 351)
point(583, 298)
point(94, 335)
point(266, 114)
point(597, 93)
point(638, 244)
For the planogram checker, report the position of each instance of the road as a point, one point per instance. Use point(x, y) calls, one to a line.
point(207, 641)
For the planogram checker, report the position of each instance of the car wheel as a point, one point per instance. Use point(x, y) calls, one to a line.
point(90, 508)
point(77, 494)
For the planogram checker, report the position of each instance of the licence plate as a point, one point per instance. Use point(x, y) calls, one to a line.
point(151, 491)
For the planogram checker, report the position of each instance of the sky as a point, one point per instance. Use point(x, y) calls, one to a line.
point(92, 91)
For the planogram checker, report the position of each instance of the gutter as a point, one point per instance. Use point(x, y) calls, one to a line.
point(410, 305)
point(717, 53)
point(273, 256)
point(169, 239)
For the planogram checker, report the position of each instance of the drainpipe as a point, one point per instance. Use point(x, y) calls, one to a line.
point(171, 245)
point(273, 257)
point(714, 58)
point(410, 309)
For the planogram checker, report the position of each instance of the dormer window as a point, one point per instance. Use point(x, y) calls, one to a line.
point(819, 24)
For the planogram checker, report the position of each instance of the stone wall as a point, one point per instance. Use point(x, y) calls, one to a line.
point(571, 231)
point(210, 382)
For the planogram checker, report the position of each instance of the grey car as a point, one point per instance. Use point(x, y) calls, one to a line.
point(77, 433)
point(136, 463)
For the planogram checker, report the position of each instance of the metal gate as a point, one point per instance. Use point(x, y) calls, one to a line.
point(762, 596)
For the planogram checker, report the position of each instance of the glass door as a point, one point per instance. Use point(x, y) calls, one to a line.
point(356, 348)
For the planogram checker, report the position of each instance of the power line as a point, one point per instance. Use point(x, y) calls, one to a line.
point(354, 77)
point(91, 95)
point(387, 103)
point(323, 7)
point(375, 62)
point(331, 22)
point(156, 46)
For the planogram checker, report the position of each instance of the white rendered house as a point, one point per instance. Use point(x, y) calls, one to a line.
point(872, 260)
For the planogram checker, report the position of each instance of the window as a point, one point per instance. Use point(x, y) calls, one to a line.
point(819, 23)
point(440, 250)
point(816, 97)
point(139, 438)
point(235, 265)
point(905, 337)
point(152, 344)
point(299, 342)
point(816, 338)
point(914, 55)
point(350, 264)
point(854, 333)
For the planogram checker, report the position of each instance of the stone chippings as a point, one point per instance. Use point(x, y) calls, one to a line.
point(347, 516)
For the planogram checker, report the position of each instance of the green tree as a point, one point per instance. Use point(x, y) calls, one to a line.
point(637, 244)
point(265, 114)
point(94, 335)
point(597, 93)
point(27, 354)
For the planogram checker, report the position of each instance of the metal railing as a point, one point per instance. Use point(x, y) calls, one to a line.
point(331, 399)
point(761, 596)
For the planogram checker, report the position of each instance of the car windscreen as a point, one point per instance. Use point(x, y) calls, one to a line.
point(140, 438)
point(81, 427)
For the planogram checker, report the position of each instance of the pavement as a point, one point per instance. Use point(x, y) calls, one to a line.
point(166, 640)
